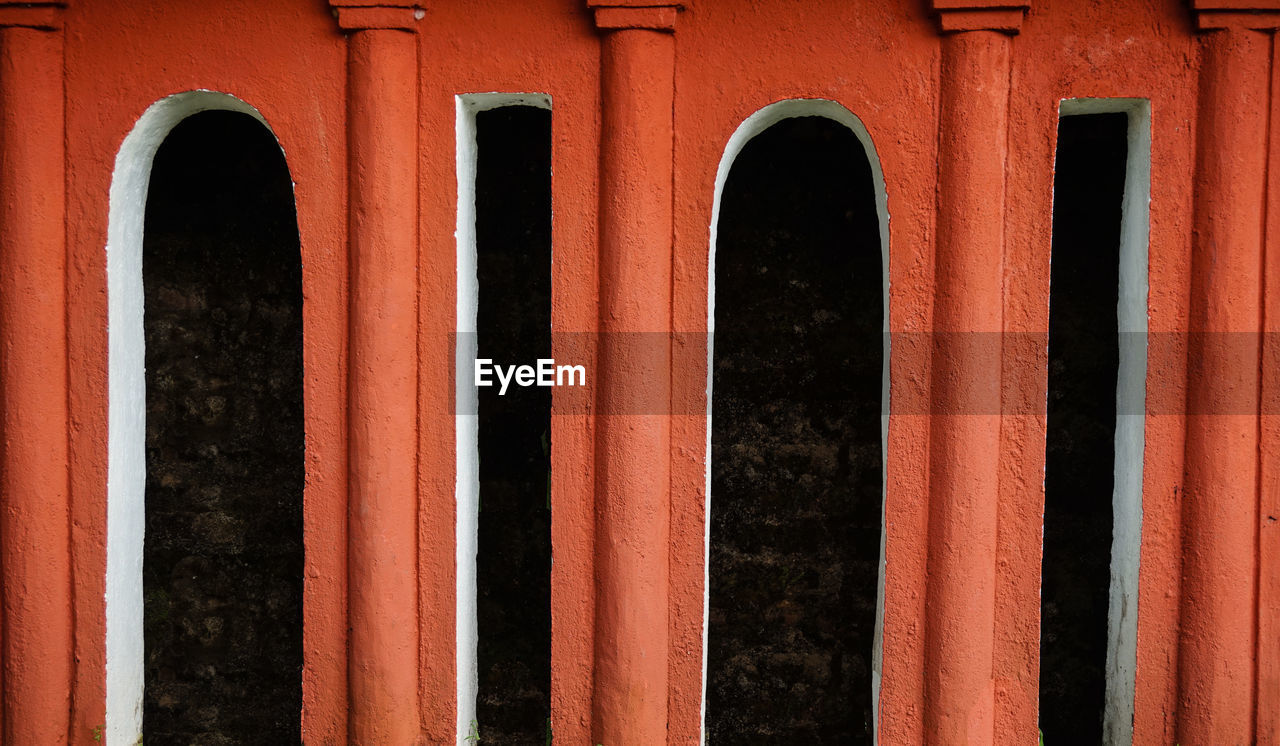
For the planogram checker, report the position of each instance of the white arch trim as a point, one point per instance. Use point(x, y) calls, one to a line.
point(126, 439)
point(752, 126)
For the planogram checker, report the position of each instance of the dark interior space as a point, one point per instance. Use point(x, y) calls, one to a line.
point(513, 564)
point(1084, 354)
point(796, 475)
point(222, 566)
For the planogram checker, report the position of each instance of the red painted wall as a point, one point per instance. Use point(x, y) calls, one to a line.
point(886, 62)
point(289, 61)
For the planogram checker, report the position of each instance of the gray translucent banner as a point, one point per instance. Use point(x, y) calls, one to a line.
point(974, 373)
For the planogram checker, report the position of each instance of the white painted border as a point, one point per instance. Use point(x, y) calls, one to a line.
point(466, 423)
point(1131, 378)
point(752, 126)
point(126, 412)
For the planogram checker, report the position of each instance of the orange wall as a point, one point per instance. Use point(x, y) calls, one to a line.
point(882, 61)
point(288, 60)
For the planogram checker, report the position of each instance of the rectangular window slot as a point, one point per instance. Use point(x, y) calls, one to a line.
point(1093, 461)
point(505, 475)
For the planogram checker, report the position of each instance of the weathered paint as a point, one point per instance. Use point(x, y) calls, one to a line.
point(883, 62)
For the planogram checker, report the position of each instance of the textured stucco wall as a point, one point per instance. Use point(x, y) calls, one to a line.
point(880, 61)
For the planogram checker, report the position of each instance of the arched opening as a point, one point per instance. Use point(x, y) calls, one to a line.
point(797, 432)
point(204, 565)
point(222, 560)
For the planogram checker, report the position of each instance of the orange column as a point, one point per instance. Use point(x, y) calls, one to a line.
point(1218, 640)
point(1269, 510)
point(34, 524)
point(968, 318)
point(633, 431)
point(382, 113)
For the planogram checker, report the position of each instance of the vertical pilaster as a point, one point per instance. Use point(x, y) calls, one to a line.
point(968, 319)
point(1269, 478)
point(382, 126)
point(1217, 654)
point(633, 425)
point(34, 521)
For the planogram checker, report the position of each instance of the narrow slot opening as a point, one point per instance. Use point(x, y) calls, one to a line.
point(513, 327)
point(796, 476)
point(1080, 462)
point(223, 553)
